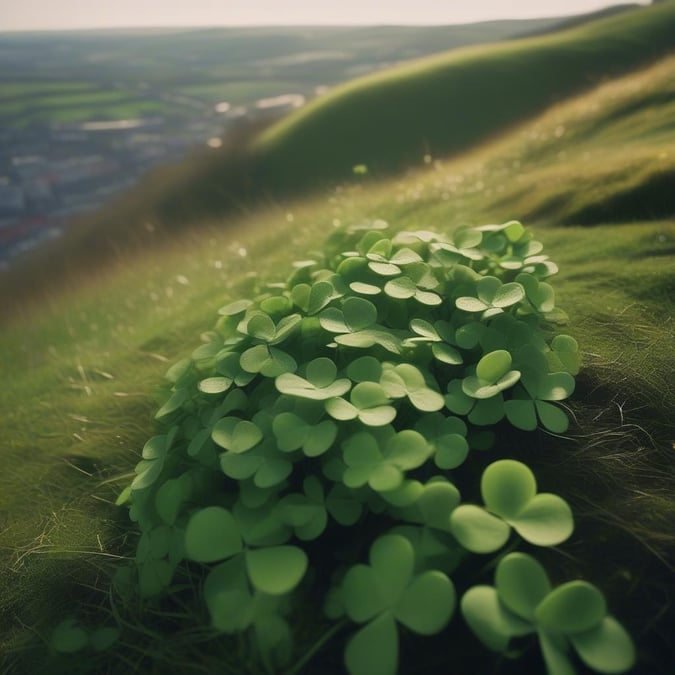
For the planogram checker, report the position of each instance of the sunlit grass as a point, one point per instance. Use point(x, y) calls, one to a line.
point(448, 103)
point(82, 369)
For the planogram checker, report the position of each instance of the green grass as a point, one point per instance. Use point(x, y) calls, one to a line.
point(448, 103)
point(13, 90)
point(77, 106)
point(82, 371)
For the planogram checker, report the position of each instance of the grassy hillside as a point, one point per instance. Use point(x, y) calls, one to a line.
point(448, 103)
point(82, 373)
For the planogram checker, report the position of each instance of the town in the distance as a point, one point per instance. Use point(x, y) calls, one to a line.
point(85, 114)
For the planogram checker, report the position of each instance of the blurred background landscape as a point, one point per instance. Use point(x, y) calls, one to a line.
point(85, 114)
point(152, 171)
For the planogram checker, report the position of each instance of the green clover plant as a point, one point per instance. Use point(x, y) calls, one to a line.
point(571, 615)
point(355, 395)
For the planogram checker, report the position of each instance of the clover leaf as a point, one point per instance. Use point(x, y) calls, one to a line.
point(407, 380)
point(234, 607)
point(434, 548)
point(371, 337)
point(439, 336)
point(175, 403)
point(447, 436)
point(235, 308)
point(262, 525)
point(204, 356)
point(564, 355)
point(236, 435)
point(365, 369)
point(523, 602)
point(276, 569)
point(265, 464)
point(212, 534)
point(321, 294)
point(305, 513)
point(154, 455)
point(368, 402)
point(344, 505)
point(354, 271)
point(170, 497)
point(261, 327)
point(69, 637)
point(509, 491)
point(320, 383)
point(492, 297)
point(388, 591)
point(383, 469)
point(531, 400)
point(606, 647)
point(267, 360)
point(539, 294)
point(355, 315)
point(437, 499)
point(228, 365)
point(490, 620)
point(228, 596)
point(381, 252)
point(294, 433)
point(493, 375)
point(418, 283)
point(482, 412)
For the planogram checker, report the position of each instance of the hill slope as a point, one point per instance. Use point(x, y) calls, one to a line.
point(81, 373)
point(446, 104)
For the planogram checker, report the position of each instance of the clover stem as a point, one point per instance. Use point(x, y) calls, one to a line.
point(492, 563)
point(309, 654)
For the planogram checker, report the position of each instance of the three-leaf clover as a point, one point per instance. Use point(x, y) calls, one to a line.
point(447, 436)
point(509, 491)
point(305, 513)
point(441, 337)
point(154, 455)
point(493, 375)
point(532, 398)
point(406, 380)
point(382, 469)
point(386, 592)
point(368, 401)
point(492, 297)
point(260, 326)
point(523, 601)
point(292, 432)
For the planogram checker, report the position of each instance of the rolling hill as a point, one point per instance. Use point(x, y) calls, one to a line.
point(82, 369)
point(446, 104)
point(433, 107)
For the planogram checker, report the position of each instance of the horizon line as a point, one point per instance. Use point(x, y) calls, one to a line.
point(161, 27)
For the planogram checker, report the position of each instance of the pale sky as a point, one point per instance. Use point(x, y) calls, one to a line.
point(79, 14)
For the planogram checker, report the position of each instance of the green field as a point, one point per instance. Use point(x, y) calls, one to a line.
point(76, 107)
point(14, 90)
point(448, 103)
point(83, 372)
point(238, 65)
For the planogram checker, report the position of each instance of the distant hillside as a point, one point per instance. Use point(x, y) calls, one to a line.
point(439, 106)
point(81, 370)
point(446, 104)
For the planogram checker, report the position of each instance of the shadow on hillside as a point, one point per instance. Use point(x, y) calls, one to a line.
point(651, 199)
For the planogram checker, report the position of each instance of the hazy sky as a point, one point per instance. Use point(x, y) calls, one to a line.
point(68, 14)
